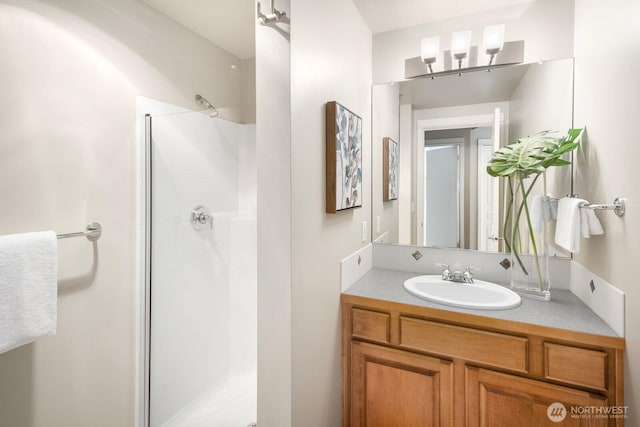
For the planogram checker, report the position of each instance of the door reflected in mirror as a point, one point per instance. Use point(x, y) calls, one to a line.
point(447, 130)
point(441, 196)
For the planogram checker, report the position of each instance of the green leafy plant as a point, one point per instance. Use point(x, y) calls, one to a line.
point(528, 158)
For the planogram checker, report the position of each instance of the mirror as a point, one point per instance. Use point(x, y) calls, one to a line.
point(446, 129)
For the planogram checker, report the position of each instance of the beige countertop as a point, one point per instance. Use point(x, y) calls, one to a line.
point(564, 311)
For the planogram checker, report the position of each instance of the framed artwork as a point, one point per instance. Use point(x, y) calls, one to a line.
point(390, 169)
point(344, 159)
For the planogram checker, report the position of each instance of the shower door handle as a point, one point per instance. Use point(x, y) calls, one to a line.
point(200, 217)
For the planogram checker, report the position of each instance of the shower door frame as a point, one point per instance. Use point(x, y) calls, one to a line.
point(147, 269)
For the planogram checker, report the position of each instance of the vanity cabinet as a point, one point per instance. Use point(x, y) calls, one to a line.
point(392, 387)
point(406, 365)
point(501, 400)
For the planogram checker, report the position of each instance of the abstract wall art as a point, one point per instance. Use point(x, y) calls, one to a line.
point(390, 169)
point(344, 159)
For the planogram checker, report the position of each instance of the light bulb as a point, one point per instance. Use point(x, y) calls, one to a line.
point(430, 48)
point(460, 44)
point(494, 38)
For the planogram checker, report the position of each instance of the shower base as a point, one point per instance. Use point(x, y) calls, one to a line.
point(232, 402)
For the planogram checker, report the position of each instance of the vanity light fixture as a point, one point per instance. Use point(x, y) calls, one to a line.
point(430, 49)
point(460, 45)
point(493, 52)
point(493, 40)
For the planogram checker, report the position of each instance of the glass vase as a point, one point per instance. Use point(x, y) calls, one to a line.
point(526, 236)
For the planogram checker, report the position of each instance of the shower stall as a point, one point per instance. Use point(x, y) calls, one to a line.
point(201, 294)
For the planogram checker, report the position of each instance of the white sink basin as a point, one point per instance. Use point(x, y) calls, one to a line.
point(479, 295)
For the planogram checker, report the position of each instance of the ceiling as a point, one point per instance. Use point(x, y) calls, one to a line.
point(387, 15)
point(230, 23)
point(226, 23)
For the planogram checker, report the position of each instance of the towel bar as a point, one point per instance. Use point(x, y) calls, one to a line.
point(93, 232)
point(618, 206)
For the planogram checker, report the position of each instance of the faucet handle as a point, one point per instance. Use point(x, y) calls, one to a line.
point(446, 274)
point(468, 275)
point(200, 217)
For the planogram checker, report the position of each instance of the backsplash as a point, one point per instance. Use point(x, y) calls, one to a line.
point(422, 260)
point(604, 299)
point(356, 265)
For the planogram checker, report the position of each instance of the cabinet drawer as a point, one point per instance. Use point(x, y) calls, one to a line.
point(503, 351)
point(577, 366)
point(371, 325)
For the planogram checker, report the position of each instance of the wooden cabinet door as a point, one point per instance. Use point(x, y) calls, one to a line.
point(500, 400)
point(393, 388)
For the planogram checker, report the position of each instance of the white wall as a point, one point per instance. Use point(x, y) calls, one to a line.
point(330, 61)
point(386, 123)
point(273, 149)
point(247, 170)
point(607, 51)
point(529, 22)
point(70, 75)
point(543, 99)
point(248, 89)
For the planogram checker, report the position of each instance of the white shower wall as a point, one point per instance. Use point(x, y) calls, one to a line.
point(203, 291)
point(247, 170)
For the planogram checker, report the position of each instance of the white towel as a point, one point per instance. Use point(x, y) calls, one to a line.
point(589, 223)
point(28, 287)
point(552, 208)
point(537, 213)
point(542, 209)
point(568, 231)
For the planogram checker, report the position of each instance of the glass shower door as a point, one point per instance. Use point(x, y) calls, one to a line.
point(203, 297)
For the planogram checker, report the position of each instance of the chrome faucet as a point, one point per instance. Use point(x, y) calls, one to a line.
point(457, 276)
